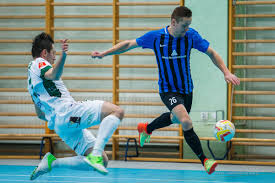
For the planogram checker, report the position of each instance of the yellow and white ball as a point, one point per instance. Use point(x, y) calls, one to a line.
point(224, 130)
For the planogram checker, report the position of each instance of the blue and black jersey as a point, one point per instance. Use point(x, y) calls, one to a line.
point(173, 57)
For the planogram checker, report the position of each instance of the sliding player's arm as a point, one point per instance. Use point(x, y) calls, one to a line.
point(56, 71)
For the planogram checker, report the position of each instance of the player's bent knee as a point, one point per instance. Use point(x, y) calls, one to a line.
point(185, 119)
point(187, 125)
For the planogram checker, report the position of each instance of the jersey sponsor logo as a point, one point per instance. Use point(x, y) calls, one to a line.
point(162, 45)
point(41, 65)
point(174, 55)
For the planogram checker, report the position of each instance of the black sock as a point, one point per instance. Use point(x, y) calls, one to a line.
point(194, 142)
point(160, 122)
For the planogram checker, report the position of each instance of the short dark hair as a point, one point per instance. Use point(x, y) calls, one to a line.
point(181, 11)
point(41, 42)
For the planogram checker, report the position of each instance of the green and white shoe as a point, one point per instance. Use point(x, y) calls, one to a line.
point(44, 166)
point(97, 163)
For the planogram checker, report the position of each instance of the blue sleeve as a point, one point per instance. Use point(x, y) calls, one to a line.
point(147, 40)
point(199, 43)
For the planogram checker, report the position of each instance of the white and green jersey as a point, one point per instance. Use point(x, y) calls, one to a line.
point(51, 96)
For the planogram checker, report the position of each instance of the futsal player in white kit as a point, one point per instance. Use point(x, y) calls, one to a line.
point(68, 118)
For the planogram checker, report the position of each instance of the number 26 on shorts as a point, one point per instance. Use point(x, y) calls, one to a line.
point(173, 100)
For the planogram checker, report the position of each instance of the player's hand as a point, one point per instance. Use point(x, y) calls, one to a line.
point(96, 54)
point(231, 78)
point(64, 45)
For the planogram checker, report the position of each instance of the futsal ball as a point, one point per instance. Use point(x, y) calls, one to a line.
point(224, 130)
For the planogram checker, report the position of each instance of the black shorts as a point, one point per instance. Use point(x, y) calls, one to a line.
point(172, 99)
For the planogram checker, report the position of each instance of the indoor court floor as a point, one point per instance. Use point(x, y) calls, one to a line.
point(139, 172)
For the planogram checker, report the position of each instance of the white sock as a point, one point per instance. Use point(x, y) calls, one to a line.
point(106, 129)
point(75, 163)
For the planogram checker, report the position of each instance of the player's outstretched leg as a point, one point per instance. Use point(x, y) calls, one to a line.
point(44, 166)
point(49, 162)
point(193, 141)
point(106, 129)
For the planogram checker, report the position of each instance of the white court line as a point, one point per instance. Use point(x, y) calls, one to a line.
point(7, 180)
point(111, 178)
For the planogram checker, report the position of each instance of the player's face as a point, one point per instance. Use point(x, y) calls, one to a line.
point(50, 56)
point(182, 26)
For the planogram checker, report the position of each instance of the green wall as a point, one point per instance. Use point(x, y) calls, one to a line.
point(210, 87)
point(210, 19)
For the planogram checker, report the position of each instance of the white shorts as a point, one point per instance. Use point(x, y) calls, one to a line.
point(71, 125)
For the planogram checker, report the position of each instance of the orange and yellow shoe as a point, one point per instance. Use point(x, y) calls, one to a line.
point(210, 165)
point(143, 135)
